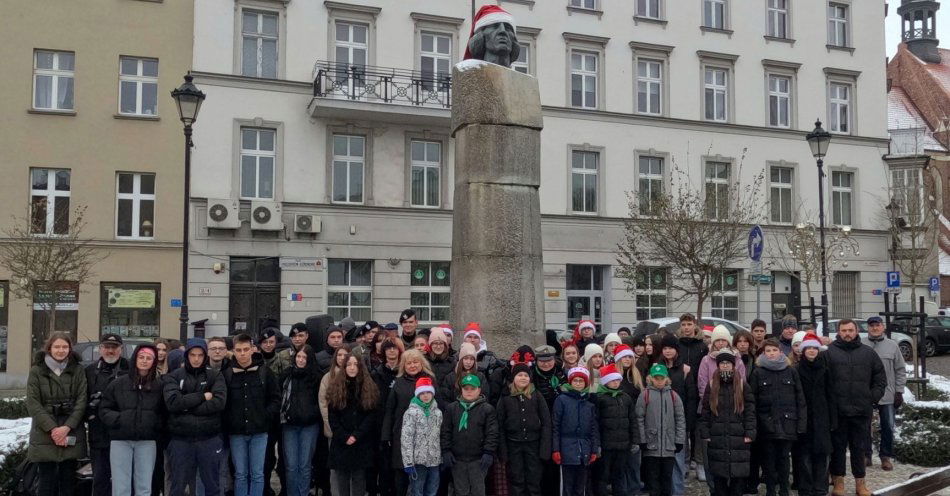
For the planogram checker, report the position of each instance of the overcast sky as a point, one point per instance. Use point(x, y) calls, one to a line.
point(892, 26)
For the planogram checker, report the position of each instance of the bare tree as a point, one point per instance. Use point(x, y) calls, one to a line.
point(695, 233)
point(43, 264)
point(913, 222)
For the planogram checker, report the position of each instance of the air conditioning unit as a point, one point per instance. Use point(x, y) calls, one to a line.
point(223, 214)
point(265, 216)
point(308, 224)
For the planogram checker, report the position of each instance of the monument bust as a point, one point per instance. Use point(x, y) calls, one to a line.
point(493, 38)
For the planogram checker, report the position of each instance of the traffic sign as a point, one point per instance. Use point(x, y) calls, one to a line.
point(893, 282)
point(756, 243)
point(934, 284)
point(877, 292)
point(176, 302)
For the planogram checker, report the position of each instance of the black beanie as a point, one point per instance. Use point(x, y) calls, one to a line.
point(669, 341)
point(520, 367)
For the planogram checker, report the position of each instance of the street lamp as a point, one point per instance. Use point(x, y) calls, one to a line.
point(818, 140)
point(188, 100)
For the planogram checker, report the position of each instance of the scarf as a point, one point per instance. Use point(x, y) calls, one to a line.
point(780, 363)
point(426, 407)
point(56, 366)
point(463, 420)
point(725, 377)
point(606, 390)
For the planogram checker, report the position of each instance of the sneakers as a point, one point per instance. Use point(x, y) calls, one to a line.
point(700, 473)
point(886, 464)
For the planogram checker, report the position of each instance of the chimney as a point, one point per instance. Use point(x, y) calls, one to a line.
point(919, 28)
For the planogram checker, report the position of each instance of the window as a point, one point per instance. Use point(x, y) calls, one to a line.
point(717, 190)
point(350, 289)
point(844, 295)
point(584, 4)
point(837, 24)
point(650, 182)
point(258, 155)
point(714, 14)
point(436, 61)
point(781, 194)
point(648, 8)
point(523, 63)
point(130, 309)
point(839, 97)
point(351, 52)
point(348, 162)
point(49, 201)
point(716, 88)
point(426, 172)
point(53, 74)
point(778, 18)
point(586, 295)
point(842, 184)
point(907, 192)
point(135, 205)
point(138, 86)
point(651, 293)
point(725, 298)
point(780, 91)
point(584, 171)
point(259, 44)
point(583, 79)
point(430, 297)
point(649, 86)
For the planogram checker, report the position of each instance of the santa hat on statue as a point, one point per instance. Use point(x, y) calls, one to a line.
point(609, 373)
point(486, 16)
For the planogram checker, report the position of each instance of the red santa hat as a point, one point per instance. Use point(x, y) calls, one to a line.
point(486, 16)
point(578, 372)
point(811, 341)
point(708, 330)
point(609, 373)
point(473, 328)
point(424, 385)
point(586, 323)
point(621, 351)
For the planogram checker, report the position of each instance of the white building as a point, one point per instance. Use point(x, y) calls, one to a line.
point(341, 109)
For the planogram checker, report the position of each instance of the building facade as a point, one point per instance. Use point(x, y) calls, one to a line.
point(324, 181)
point(88, 123)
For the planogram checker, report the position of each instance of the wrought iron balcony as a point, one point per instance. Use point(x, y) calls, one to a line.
point(382, 85)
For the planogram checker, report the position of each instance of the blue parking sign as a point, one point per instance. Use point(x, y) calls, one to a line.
point(935, 284)
point(893, 279)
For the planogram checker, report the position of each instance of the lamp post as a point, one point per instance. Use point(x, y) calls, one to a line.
point(818, 140)
point(188, 100)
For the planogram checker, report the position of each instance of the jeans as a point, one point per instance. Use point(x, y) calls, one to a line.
point(850, 434)
point(524, 468)
point(574, 480)
point(349, 482)
point(274, 458)
point(657, 472)
point(247, 453)
point(299, 442)
point(101, 472)
point(187, 456)
point(886, 450)
point(680, 469)
point(132, 461)
point(634, 480)
point(777, 464)
point(426, 482)
point(610, 470)
point(56, 478)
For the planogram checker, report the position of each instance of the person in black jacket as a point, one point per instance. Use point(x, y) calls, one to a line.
point(617, 418)
point(525, 438)
point(814, 447)
point(781, 412)
point(252, 406)
point(300, 419)
point(333, 343)
point(469, 439)
point(683, 384)
point(859, 381)
point(110, 365)
point(380, 479)
point(353, 405)
point(132, 411)
point(440, 354)
point(632, 384)
point(692, 349)
point(547, 377)
point(451, 386)
point(195, 397)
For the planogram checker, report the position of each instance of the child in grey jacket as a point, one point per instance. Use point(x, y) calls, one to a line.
point(421, 453)
point(662, 428)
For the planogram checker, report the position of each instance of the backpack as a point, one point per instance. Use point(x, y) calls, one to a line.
point(673, 398)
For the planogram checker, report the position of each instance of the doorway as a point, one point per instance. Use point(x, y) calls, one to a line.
point(254, 294)
point(586, 298)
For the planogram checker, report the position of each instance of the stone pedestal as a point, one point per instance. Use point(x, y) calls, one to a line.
point(497, 272)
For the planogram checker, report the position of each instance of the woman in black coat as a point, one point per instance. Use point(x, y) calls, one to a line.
point(815, 446)
point(352, 401)
point(524, 439)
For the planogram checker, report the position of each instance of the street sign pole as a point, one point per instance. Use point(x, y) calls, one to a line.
point(755, 246)
point(758, 289)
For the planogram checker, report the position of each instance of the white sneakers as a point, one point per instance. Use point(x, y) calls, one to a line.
point(700, 473)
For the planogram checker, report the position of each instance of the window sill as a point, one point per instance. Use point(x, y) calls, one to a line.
point(840, 48)
point(578, 107)
point(51, 112)
point(790, 41)
point(135, 117)
point(707, 29)
point(581, 10)
point(529, 3)
point(649, 20)
point(131, 238)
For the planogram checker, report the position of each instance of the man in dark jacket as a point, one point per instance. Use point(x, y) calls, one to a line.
point(277, 362)
point(325, 356)
point(252, 407)
point(99, 375)
point(195, 397)
point(859, 381)
point(408, 322)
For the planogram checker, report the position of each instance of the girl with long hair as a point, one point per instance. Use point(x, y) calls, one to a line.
point(744, 344)
point(300, 421)
point(719, 341)
point(353, 402)
point(524, 437)
point(451, 386)
point(384, 375)
point(593, 360)
point(412, 366)
point(336, 365)
point(161, 359)
point(570, 356)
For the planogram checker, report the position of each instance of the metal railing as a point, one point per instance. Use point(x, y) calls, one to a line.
point(919, 33)
point(382, 84)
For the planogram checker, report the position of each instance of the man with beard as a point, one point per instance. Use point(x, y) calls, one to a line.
point(110, 365)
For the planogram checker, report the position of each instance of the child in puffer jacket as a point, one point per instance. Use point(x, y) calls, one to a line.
point(576, 438)
point(661, 424)
point(421, 453)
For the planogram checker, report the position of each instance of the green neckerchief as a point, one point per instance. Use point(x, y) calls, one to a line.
point(606, 390)
point(463, 421)
point(568, 388)
point(425, 406)
point(528, 391)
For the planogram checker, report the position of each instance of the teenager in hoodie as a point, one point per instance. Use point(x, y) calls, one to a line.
point(719, 340)
point(469, 439)
point(110, 365)
point(421, 433)
point(661, 422)
point(525, 438)
point(616, 416)
point(299, 419)
point(575, 440)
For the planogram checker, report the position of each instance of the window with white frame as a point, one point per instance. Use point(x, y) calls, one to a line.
point(138, 86)
point(842, 190)
point(135, 205)
point(651, 293)
point(584, 79)
point(780, 100)
point(53, 74)
point(436, 60)
point(777, 18)
point(584, 175)
point(714, 14)
point(780, 194)
point(584, 4)
point(426, 172)
point(348, 165)
point(258, 163)
point(725, 297)
point(717, 189)
point(907, 193)
point(837, 24)
point(648, 8)
point(716, 94)
point(650, 183)
point(259, 38)
point(429, 290)
point(523, 63)
point(839, 101)
point(49, 201)
point(350, 289)
point(649, 86)
point(352, 47)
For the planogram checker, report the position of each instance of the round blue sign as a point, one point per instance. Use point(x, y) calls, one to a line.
point(756, 243)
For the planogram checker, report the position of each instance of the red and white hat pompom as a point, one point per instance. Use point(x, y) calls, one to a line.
point(424, 385)
point(621, 351)
point(576, 372)
point(609, 373)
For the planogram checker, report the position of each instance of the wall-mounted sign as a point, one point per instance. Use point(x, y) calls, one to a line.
point(301, 263)
point(67, 298)
point(131, 298)
point(554, 293)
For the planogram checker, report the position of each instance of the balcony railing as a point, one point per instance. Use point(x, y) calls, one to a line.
point(382, 85)
point(919, 33)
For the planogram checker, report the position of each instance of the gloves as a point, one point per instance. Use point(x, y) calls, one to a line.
point(593, 458)
point(486, 462)
point(556, 456)
point(448, 460)
point(898, 400)
point(679, 447)
point(410, 471)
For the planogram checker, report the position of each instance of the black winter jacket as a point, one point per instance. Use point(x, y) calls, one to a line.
point(299, 405)
point(384, 377)
point(324, 359)
point(487, 363)
point(354, 421)
point(691, 352)
point(548, 383)
point(132, 413)
point(685, 386)
point(479, 438)
point(403, 390)
point(617, 418)
point(190, 416)
point(779, 403)
point(442, 366)
point(822, 407)
point(98, 377)
point(857, 376)
point(728, 453)
point(253, 401)
point(523, 419)
point(749, 361)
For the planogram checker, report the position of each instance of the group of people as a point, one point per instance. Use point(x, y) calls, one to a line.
point(394, 409)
